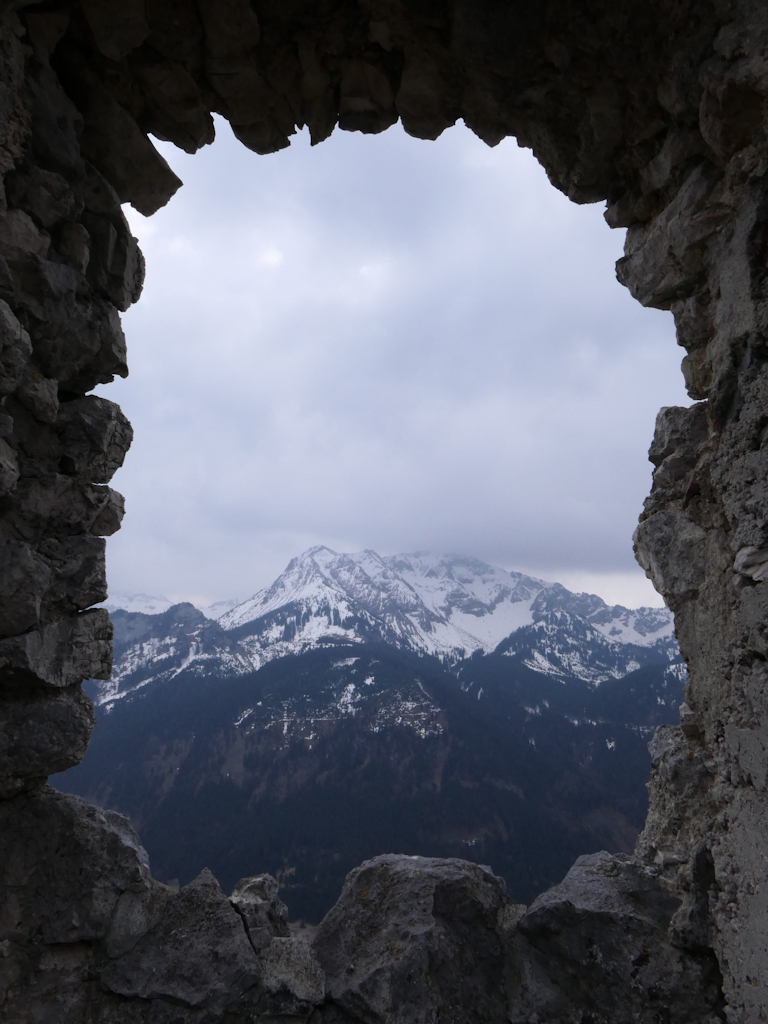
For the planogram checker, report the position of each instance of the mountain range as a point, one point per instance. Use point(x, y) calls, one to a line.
point(359, 705)
point(444, 606)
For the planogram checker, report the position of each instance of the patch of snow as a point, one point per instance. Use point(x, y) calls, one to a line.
point(347, 700)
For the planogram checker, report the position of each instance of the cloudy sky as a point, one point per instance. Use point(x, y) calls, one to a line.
point(383, 343)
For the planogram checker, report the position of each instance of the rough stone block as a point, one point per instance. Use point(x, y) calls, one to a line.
point(115, 144)
point(40, 395)
point(40, 734)
point(116, 31)
point(20, 235)
point(672, 550)
point(95, 435)
point(45, 195)
point(61, 653)
point(416, 939)
point(678, 428)
point(263, 912)
point(23, 583)
point(105, 357)
point(66, 864)
point(15, 350)
point(56, 123)
point(116, 265)
point(197, 954)
point(598, 941)
point(9, 469)
point(80, 574)
point(291, 981)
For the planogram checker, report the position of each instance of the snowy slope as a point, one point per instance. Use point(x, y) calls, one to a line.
point(155, 648)
point(434, 604)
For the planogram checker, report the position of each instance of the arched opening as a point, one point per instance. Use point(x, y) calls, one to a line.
point(383, 344)
point(660, 112)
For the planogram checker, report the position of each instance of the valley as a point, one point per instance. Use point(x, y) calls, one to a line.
point(421, 705)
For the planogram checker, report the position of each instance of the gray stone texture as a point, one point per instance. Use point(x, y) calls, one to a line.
point(414, 937)
point(658, 108)
point(600, 946)
point(89, 935)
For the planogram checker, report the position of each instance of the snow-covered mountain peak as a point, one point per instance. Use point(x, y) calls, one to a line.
point(451, 582)
point(321, 579)
point(444, 605)
point(448, 606)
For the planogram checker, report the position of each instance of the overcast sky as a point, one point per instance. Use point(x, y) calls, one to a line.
point(383, 343)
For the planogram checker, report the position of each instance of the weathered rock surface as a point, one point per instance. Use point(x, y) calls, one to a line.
point(599, 944)
point(89, 935)
point(416, 938)
point(658, 108)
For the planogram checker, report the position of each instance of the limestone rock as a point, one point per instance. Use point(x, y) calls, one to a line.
point(56, 123)
point(197, 954)
point(41, 733)
point(40, 395)
point(9, 469)
point(115, 144)
point(116, 32)
point(291, 980)
point(66, 864)
point(45, 194)
point(264, 914)
point(24, 581)
point(20, 235)
point(416, 939)
point(678, 429)
point(672, 551)
point(15, 350)
point(61, 654)
point(682, 787)
point(599, 942)
point(95, 435)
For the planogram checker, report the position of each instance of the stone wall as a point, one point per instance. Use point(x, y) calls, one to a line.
point(658, 108)
point(68, 264)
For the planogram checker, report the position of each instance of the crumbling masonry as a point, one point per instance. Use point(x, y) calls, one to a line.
point(658, 107)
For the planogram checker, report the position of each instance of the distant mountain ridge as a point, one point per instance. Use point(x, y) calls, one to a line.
point(450, 607)
point(444, 605)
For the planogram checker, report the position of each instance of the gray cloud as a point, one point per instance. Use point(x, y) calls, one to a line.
point(385, 343)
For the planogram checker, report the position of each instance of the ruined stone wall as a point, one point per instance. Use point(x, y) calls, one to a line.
point(658, 108)
point(703, 535)
point(67, 265)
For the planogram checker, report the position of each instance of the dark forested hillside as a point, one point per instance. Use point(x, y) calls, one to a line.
point(319, 760)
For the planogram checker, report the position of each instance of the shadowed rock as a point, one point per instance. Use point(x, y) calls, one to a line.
point(599, 942)
point(412, 937)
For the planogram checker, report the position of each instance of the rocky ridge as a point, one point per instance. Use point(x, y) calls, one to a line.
point(442, 605)
point(659, 109)
point(411, 939)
